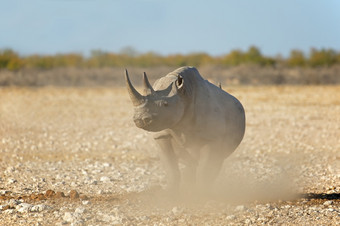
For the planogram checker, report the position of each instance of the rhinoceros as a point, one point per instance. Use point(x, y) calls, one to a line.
point(194, 121)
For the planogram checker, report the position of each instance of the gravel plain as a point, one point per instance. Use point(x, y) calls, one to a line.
point(72, 156)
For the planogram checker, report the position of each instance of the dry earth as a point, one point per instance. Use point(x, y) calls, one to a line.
point(72, 156)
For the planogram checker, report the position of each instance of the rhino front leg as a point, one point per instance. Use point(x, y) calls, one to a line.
point(211, 162)
point(169, 161)
point(189, 172)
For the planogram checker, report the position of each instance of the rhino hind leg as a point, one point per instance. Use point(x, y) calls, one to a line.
point(170, 163)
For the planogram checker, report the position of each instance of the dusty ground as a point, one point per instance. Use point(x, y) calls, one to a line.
point(82, 143)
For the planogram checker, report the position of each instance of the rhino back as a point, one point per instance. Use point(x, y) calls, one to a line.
point(211, 113)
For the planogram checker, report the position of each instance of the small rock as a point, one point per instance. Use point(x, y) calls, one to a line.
point(247, 221)
point(11, 180)
point(94, 182)
point(328, 203)
point(60, 194)
point(105, 164)
point(4, 192)
point(5, 207)
point(39, 208)
point(176, 210)
point(230, 217)
point(14, 202)
point(23, 207)
point(77, 222)
point(240, 208)
point(38, 197)
point(86, 202)
point(49, 193)
point(106, 218)
point(9, 169)
point(9, 211)
point(113, 220)
point(68, 217)
point(80, 210)
point(41, 197)
point(105, 179)
point(33, 196)
point(74, 194)
point(83, 197)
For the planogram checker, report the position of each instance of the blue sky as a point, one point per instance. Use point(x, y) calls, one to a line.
point(168, 26)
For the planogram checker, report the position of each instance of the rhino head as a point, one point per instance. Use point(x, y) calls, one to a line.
point(158, 109)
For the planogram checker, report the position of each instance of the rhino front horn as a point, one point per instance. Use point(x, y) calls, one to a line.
point(136, 98)
point(147, 87)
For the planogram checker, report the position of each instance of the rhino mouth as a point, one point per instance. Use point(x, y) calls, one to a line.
point(148, 124)
point(143, 123)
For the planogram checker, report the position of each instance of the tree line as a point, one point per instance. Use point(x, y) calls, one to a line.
point(11, 60)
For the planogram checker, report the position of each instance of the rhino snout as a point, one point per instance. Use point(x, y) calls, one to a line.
point(143, 122)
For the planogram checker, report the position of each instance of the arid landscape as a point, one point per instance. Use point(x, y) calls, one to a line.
point(72, 156)
point(72, 151)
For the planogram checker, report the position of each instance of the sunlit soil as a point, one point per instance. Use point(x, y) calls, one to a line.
point(84, 139)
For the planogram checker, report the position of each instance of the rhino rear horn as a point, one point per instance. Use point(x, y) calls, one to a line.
point(136, 98)
point(147, 86)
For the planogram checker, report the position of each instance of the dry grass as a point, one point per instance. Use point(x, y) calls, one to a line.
point(244, 75)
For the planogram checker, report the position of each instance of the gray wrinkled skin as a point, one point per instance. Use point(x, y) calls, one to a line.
point(195, 122)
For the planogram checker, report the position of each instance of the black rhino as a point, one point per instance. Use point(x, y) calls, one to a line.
point(193, 120)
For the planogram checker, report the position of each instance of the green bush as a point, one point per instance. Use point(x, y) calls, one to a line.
point(323, 57)
point(10, 60)
point(296, 58)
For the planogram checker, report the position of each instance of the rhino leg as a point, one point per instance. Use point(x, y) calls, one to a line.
point(170, 162)
point(211, 161)
point(189, 172)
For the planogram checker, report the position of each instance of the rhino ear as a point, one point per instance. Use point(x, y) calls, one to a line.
point(180, 82)
point(179, 85)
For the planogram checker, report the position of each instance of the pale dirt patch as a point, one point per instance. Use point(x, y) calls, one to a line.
point(286, 170)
